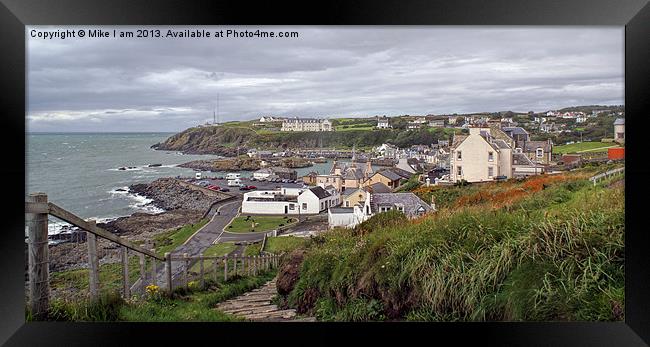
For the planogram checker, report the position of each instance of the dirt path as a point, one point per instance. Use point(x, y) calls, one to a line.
point(256, 306)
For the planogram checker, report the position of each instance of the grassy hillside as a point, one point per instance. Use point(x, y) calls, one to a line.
point(547, 248)
point(235, 137)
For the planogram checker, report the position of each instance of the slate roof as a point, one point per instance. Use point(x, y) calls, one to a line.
point(390, 174)
point(531, 146)
point(619, 121)
point(403, 173)
point(320, 192)
point(458, 139)
point(341, 210)
point(521, 159)
point(377, 188)
point(515, 130)
point(501, 144)
point(410, 201)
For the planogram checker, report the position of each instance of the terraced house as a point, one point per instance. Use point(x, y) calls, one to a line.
point(488, 153)
point(306, 124)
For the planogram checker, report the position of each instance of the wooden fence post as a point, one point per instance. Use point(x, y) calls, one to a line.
point(248, 268)
point(201, 270)
point(153, 270)
point(185, 269)
point(38, 259)
point(234, 267)
point(168, 272)
point(93, 265)
point(143, 269)
point(216, 266)
point(125, 272)
point(225, 268)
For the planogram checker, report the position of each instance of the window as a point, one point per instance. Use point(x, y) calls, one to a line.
point(540, 152)
point(347, 204)
point(292, 207)
point(400, 208)
point(620, 135)
point(490, 156)
point(459, 155)
point(490, 171)
point(459, 170)
point(322, 206)
point(304, 205)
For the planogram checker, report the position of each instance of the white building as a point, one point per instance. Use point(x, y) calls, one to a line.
point(295, 201)
point(408, 203)
point(306, 124)
point(619, 130)
point(383, 123)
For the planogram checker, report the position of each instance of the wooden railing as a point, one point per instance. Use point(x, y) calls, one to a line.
point(37, 210)
point(216, 266)
point(607, 174)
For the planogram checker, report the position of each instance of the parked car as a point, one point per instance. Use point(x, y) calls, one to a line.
point(224, 189)
point(285, 181)
point(220, 177)
point(244, 188)
point(253, 179)
point(252, 187)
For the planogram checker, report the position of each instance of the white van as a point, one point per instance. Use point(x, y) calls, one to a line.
point(198, 175)
point(234, 182)
point(233, 176)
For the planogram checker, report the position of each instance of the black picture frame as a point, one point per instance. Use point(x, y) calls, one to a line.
point(633, 14)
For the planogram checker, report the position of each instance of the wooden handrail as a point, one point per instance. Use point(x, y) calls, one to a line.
point(91, 228)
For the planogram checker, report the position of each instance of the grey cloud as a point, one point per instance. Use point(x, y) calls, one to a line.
point(170, 84)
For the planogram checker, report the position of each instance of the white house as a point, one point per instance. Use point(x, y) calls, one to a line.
point(408, 203)
point(383, 123)
point(296, 201)
point(306, 124)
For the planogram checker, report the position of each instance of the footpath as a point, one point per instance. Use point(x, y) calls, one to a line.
point(256, 306)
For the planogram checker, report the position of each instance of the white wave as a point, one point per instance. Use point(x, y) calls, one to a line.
point(141, 203)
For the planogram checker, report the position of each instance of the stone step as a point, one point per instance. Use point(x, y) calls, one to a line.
point(238, 305)
point(275, 314)
point(252, 310)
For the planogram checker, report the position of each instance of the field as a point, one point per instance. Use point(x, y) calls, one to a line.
point(582, 147)
point(548, 248)
point(244, 224)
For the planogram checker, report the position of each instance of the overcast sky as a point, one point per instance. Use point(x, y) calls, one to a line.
point(171, 84)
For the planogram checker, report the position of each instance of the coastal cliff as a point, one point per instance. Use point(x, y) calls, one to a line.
point(233, 140)
point(209, 140)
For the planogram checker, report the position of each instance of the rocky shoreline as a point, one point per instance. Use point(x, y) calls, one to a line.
point(182, 206)
point(244, 164)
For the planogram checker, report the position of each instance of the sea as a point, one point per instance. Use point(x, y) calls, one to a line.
point(80, 171)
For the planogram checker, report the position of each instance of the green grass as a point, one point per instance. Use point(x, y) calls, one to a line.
point(556, 254)
point(582, 146)
point(263, 223)
point(281, 244)
point(218, 250)
point(196, 305)
point(110, 278)
point(169, 240)
point(253, 249)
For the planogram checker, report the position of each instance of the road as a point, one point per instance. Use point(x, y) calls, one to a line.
point(212, 232)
